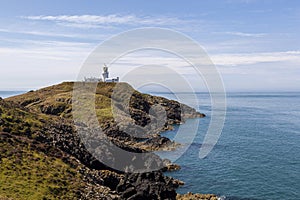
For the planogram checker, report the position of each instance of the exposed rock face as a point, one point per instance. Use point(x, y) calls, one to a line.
point(152, 185)
point(191, 196)
point(171, 166)
point(158, 143)
point(43, 118)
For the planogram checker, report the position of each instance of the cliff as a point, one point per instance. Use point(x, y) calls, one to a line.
point(42, 155)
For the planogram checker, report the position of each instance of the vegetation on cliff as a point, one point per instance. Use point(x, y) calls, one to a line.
point(42, 156)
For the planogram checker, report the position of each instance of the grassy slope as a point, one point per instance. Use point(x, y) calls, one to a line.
point(26, 172)
point(16, 120)
point(57, 100)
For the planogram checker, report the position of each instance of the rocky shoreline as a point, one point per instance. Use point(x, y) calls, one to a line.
point(40, 122)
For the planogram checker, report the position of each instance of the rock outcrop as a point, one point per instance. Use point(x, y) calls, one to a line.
point(191, 196)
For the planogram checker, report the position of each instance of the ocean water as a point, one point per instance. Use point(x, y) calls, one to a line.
point(257, 155)
point(5, 94)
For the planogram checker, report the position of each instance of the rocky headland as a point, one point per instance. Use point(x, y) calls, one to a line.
point(43, 157)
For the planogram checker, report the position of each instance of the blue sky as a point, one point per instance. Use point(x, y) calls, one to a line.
point(255, 44)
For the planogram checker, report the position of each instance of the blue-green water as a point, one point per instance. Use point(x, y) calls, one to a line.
point(257, 155)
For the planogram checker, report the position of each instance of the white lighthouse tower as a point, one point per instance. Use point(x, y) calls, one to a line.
point(106, 77)
point(105, 73)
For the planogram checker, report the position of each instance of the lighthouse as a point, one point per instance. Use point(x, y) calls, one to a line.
point(106, 77)
point(105, 73)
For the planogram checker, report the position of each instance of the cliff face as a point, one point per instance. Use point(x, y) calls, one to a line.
point(39, 137)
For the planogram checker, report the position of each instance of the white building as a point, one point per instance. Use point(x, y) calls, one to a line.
point(92, 79)
point(112, 80)
point(105, 76)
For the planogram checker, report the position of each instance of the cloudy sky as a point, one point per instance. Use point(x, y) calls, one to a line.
point(255, 44)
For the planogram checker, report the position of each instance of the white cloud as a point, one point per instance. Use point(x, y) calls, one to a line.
point(255, 58)
point(38, 63)
point(46, 50)
point(94, 21)
point(242, 34)
point(38, 33)
point(54, 34)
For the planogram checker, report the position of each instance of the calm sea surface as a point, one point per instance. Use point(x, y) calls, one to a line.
point(5, 94)
point(257, 155)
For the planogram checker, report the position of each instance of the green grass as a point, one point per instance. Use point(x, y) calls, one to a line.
point(17, 121)
point(61, 96)
point(29, 174)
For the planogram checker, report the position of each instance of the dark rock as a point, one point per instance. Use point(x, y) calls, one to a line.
point(138, 196)
point(29, 101)
point(151, 185)
point(53, 109)
point(111, 179)
point(129, 192)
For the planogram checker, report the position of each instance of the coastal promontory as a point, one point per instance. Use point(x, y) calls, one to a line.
point(42, 156)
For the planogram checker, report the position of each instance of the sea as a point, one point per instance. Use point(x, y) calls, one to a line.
point(257, 156)
point(5, 94)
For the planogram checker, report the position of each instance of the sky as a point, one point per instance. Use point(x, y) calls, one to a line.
point(255, 44)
